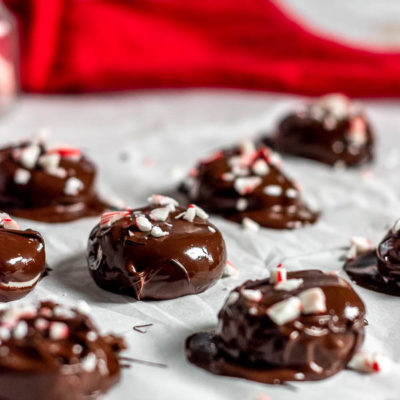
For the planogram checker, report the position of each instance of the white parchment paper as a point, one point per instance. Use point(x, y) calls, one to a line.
point(142, 144)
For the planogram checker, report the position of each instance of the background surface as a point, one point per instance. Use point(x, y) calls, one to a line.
point(142, 144)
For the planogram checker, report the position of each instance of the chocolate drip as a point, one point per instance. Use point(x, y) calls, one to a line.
point(313, 346)
point(188, 259)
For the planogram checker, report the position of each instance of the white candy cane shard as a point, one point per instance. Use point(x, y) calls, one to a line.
point(230, 269)
point(358, 245)
point(28, 156)
point(247, 146)
point(58, 331)
point(252, 295)
point(159, 214)
point(160, 200)
point(157, 232)
point(247, 185)
point(396, 226)
point(285, 311)
point(272, 190)
point(291, 193)
point(200, 212)
point(233, 298)
point(109, 218)
point(7, 222)
point(20, 330)
point(278, 274)
point(73, 186)
point(49, 161)
point(22, 176)
point(336, 103)
point(289, 284)
point(228, 176)
point(241, 204)
point(368, 363)
point(143, 224)
point(313, 301)
point(89, 363)
point(260, 167)
point(250, 224)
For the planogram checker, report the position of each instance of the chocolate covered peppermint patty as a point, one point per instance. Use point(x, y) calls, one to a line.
point(160, 251)
point(52, 352)
point(245, 184)
point(376, 269)
point(22, 259)
point(47, 183)
point(296, 326)
point(331, 129)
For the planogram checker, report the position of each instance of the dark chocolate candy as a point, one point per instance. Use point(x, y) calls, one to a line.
point(332, 130)
point(52, 352)
point(22, 259)
point(305, 328)
point(246, 182)
point(49, 184)
point(161, 251)
point(378, 269)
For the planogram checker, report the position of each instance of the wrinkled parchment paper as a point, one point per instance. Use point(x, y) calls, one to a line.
point(144, 143)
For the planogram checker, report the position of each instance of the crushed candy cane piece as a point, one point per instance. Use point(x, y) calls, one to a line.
point(252, 295)
point(233, 298)
point(73, 186)
point(28, 156)
point(143, 224)
point(21, 330)
point(160, 200)
point(291, 193)
point(272, 190)
point(289, 284)
point(22, 176)
point(260, 167)
point(228, 176)
point(247, 146)
point(285, 311)
point(190, 213)
point(250, 224)
point(7, 222)
point(157, 232)
point(368, 363)
point(160, 214)
point(358, 245)
point(278, 274)
point(109, 218)
point(49, 161)
point(89, 363)
point(241, 204)
point(246, 185)
point(313, 301)
point(67, 152)
point(58, 331)
point(230, 269)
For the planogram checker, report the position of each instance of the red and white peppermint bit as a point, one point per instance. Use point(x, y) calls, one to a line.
point(228, 176)
point(252, 295)
point(143, 224)
point(275, 159)
point(335, 103)
point(28, 155)
point(291, 193)
point(41, 324)
point(313, 301)
point(250, 225)
point(247, 146)
point(22, 176)
point(73, 186)
point(242, 204)
point(260, 167)
point(200, 212)
point(21, 330)
point(7, 222)
point(357, 133)
point(246, 185)
point(358, 245)
point(396, 226)
point(159, 214)
point(278, 274)
point(160, 200)
point(89, 363)
point(49, 161)
point(285, 311)
point(272, 190)
point(109, 218)
point(230, 269)
point(368, 363)
point(289, 284)
point(58, 331)
point(232, 298)
point(212, 158)
point(190, 213)
point(157, 232)
point(70, 153)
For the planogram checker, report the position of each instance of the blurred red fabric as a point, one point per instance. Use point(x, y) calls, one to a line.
point(97, 45)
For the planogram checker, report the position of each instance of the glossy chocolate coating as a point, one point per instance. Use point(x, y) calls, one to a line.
point(186, 261)
point(322, 133)
point(43, 195)
point(22, 262)
point(283, 209)
point(379, 269)
point(54, 353)
point(248, 344)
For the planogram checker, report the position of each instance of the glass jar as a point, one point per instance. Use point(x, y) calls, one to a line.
point(9, 82)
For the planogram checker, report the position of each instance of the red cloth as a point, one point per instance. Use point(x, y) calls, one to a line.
point(94, 45)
